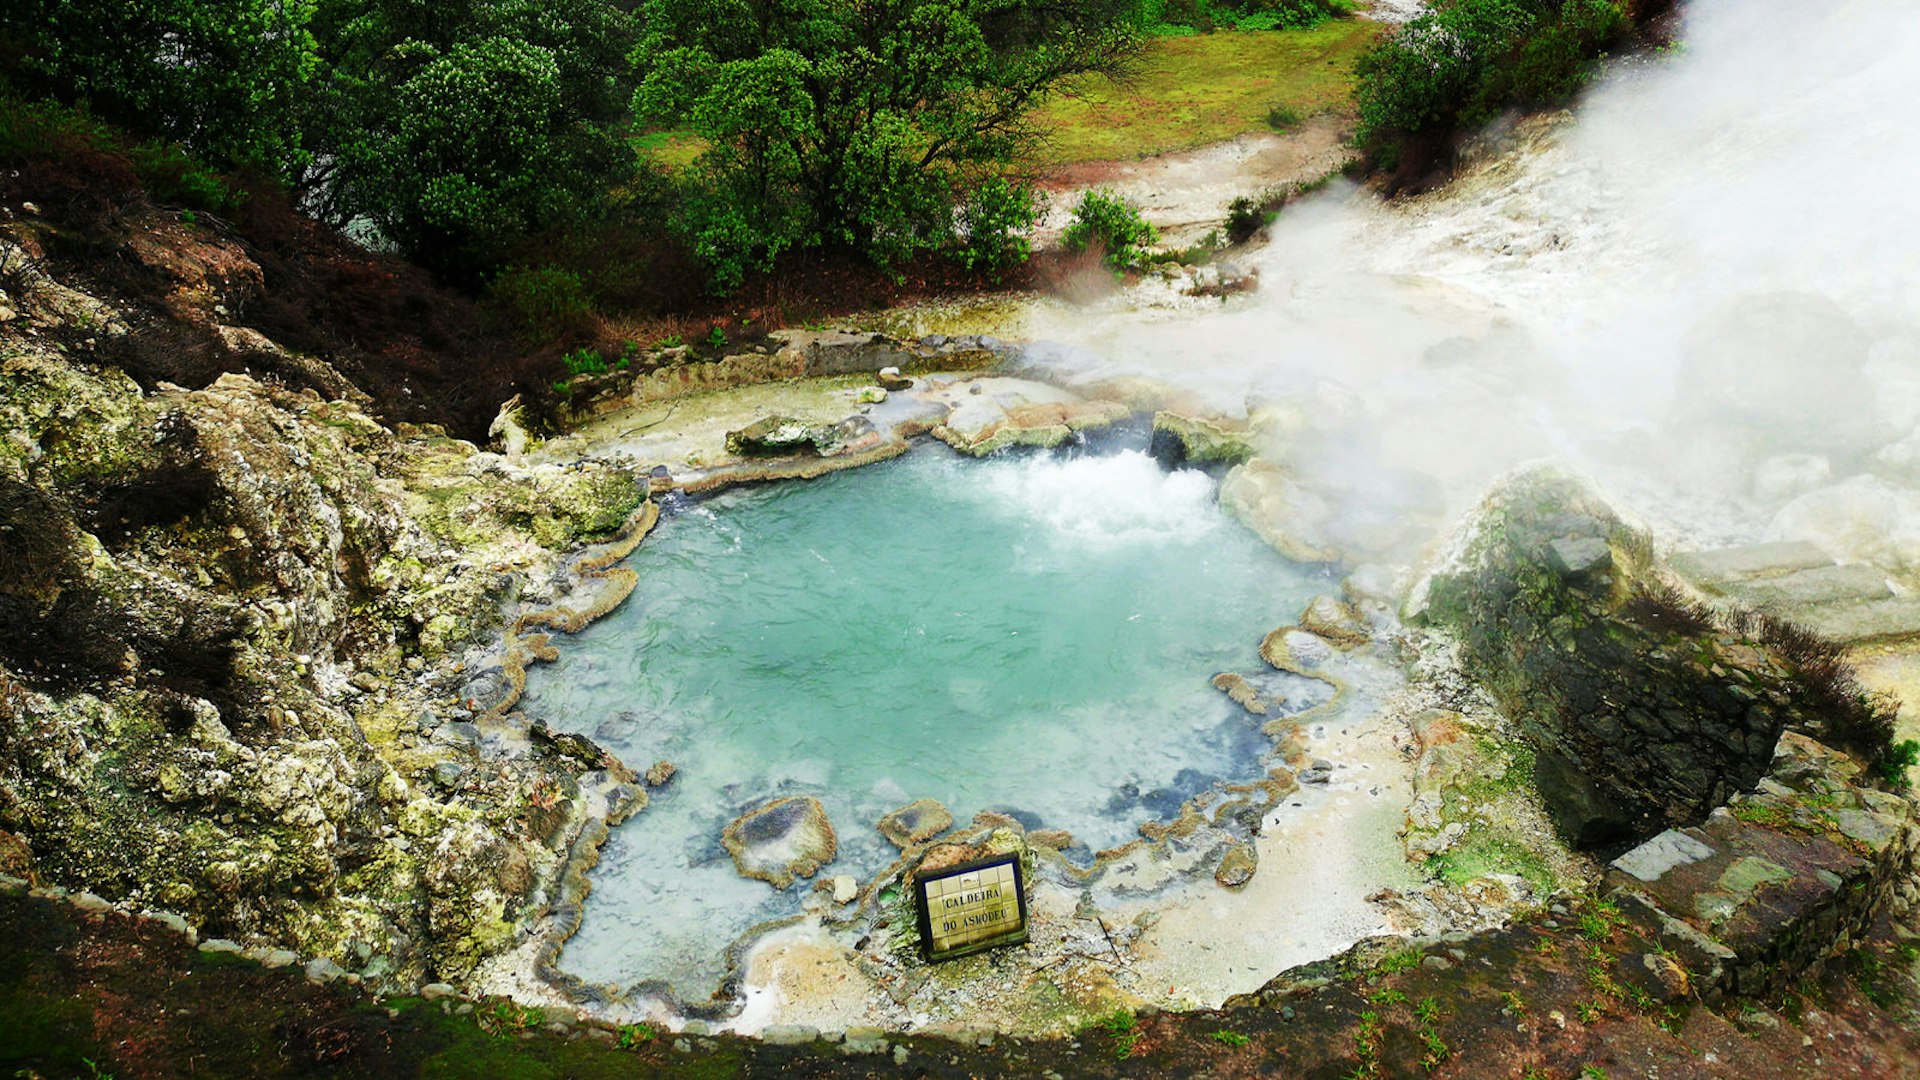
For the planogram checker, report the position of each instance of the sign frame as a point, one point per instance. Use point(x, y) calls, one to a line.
point(924, 914)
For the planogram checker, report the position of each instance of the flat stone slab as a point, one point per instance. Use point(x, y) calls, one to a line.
point(1810, 588)
point(1652, 860)
point(1868, 620)
point(1750, 561)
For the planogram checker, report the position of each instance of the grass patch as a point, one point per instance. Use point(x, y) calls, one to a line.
point(671, 150)
point(1192, 91)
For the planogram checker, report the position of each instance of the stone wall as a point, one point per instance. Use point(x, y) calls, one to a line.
point(1643, 713)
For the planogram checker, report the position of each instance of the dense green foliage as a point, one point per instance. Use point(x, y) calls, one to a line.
point(453, 127)
point(1112, 226)
point(1205, 16)
point(459, 126)
point(1463, 62)
point(221, 77)
point(861, 126)
point(469, 133)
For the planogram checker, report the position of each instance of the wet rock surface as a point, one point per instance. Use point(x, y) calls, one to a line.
point(783, 840)
point(915, 823)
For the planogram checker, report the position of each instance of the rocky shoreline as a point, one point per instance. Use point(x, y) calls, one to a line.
point(262, 693)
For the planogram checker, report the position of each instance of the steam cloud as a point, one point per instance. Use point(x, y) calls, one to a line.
point(1706, 289)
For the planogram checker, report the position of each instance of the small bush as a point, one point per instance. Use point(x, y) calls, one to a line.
point(1112, 226)
point(542, 301)
point(1284, 117)
point(994, 224)
point(1245, 217)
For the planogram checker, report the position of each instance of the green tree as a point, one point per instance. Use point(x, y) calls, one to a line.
point(457, 128)
point(863, 126)
point(1465, 60)
point(221, 76)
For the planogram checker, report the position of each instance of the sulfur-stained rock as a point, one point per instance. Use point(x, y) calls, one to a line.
point(1334, 620)
point(1237, 866)
point(1241, 691)
point(915, 823)
point(782, 840)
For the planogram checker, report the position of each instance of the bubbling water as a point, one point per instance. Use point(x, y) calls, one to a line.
point(1034, 635)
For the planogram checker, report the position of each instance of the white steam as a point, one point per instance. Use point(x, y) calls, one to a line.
point(1716, 263)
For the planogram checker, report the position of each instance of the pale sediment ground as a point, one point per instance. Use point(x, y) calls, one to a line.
point(1186, 194)
point(1321, 855)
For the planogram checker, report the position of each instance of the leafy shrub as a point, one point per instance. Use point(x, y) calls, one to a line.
point(1111, 225)
point(1245, 217)
point(544, 301)
point(1284, 117)
point(1465, 60)
point(1175, 17)
point(994, 224)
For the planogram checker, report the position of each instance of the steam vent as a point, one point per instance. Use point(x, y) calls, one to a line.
point(1223, 538)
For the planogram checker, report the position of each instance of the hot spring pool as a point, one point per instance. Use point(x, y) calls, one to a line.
point(1033, 634)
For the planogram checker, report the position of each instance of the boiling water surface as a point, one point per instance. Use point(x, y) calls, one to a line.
point(1034, 635)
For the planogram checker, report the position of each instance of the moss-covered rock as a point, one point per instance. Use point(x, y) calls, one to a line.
point(1645, 713)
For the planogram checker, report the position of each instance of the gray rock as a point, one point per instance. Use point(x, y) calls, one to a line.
point(1580, 557)
point(1319, 772)
point(1652, 860)
point(436, 991)
point(1807, 588)
point(279, 958)
point(449, 774)
point(915, 823)
point(221, 945)
point(1237, 865)
point(781, 840)
point(789, 1034)
point(1752, 560)
point(321, 971)
point(772, 436)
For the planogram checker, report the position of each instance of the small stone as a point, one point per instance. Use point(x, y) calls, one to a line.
point(845, 889)
point(1286, 1012)
point(890, 378)
point(436, 991)
point(788, 1034)
point(279, 958)
point(1581, 557)
point(1319, 772)
point(1237, 866)
point(900, 1055)
point(865, 1040)
point(659, 773)
point(696, 1028)
point(870, 395)
point(449, 774)
point(1436, 963)
point(90, 903)
point(220, 945)
point(321, 971)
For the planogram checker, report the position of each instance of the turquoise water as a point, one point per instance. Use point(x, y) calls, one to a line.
point(1029, 634)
